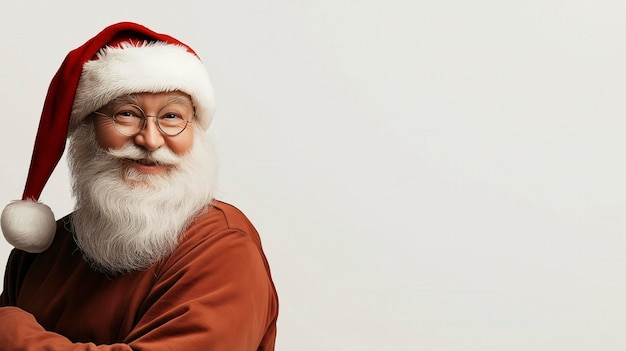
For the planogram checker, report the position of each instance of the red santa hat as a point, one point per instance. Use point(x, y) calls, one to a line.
point(123, 58)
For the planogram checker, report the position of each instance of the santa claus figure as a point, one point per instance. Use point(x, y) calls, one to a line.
point(149, 259)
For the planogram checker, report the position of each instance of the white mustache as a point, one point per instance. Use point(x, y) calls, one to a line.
point(162, 155)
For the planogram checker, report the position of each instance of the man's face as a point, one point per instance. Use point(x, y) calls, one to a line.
point(160, 105)
point(135, 195)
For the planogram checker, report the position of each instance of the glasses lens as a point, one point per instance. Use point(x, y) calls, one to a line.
point(128, 120)
point(172, 123)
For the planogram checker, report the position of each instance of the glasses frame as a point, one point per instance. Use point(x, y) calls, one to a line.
point(145, 119)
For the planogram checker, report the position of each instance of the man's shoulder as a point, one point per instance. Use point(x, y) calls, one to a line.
point(226, 208)
point(222, 216)
point(220, 225)
point(231, 214)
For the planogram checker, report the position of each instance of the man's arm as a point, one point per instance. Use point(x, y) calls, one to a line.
point(20, 331)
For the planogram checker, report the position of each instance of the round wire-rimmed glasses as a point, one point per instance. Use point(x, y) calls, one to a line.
point(129, 120)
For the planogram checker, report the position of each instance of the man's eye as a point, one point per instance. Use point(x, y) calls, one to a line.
point(171, 116)
point(126, 114)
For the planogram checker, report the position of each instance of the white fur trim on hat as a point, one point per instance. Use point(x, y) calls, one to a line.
point(28, 225)
point(148, 68)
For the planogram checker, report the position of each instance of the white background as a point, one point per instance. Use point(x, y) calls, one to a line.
point(425, 175)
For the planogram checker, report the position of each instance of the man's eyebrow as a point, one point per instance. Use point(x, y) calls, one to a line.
point(180, 99)
point(132, 99)
point(122, 100)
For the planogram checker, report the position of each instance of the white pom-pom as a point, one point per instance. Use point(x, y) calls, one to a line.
point(28, 225)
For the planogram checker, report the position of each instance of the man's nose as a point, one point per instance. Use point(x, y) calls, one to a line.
point(150, 137)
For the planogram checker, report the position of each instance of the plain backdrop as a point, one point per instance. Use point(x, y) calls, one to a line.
point(425, 175)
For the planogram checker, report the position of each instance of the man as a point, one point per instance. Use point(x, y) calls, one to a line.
point(149, 260)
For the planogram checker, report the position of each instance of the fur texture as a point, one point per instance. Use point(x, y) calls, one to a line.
point(28, 225)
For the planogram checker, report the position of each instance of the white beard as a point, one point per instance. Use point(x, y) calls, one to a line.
point(127, 221)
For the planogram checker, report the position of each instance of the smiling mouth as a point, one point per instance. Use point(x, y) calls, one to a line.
point(147, 166)
point(144, 162)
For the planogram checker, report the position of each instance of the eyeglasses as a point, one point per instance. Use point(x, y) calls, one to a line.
point(130, 120)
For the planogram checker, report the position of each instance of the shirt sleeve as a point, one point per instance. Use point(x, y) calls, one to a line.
point(215, 295)
point(20, 331)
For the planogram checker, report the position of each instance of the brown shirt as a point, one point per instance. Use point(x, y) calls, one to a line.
point(215, 292)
